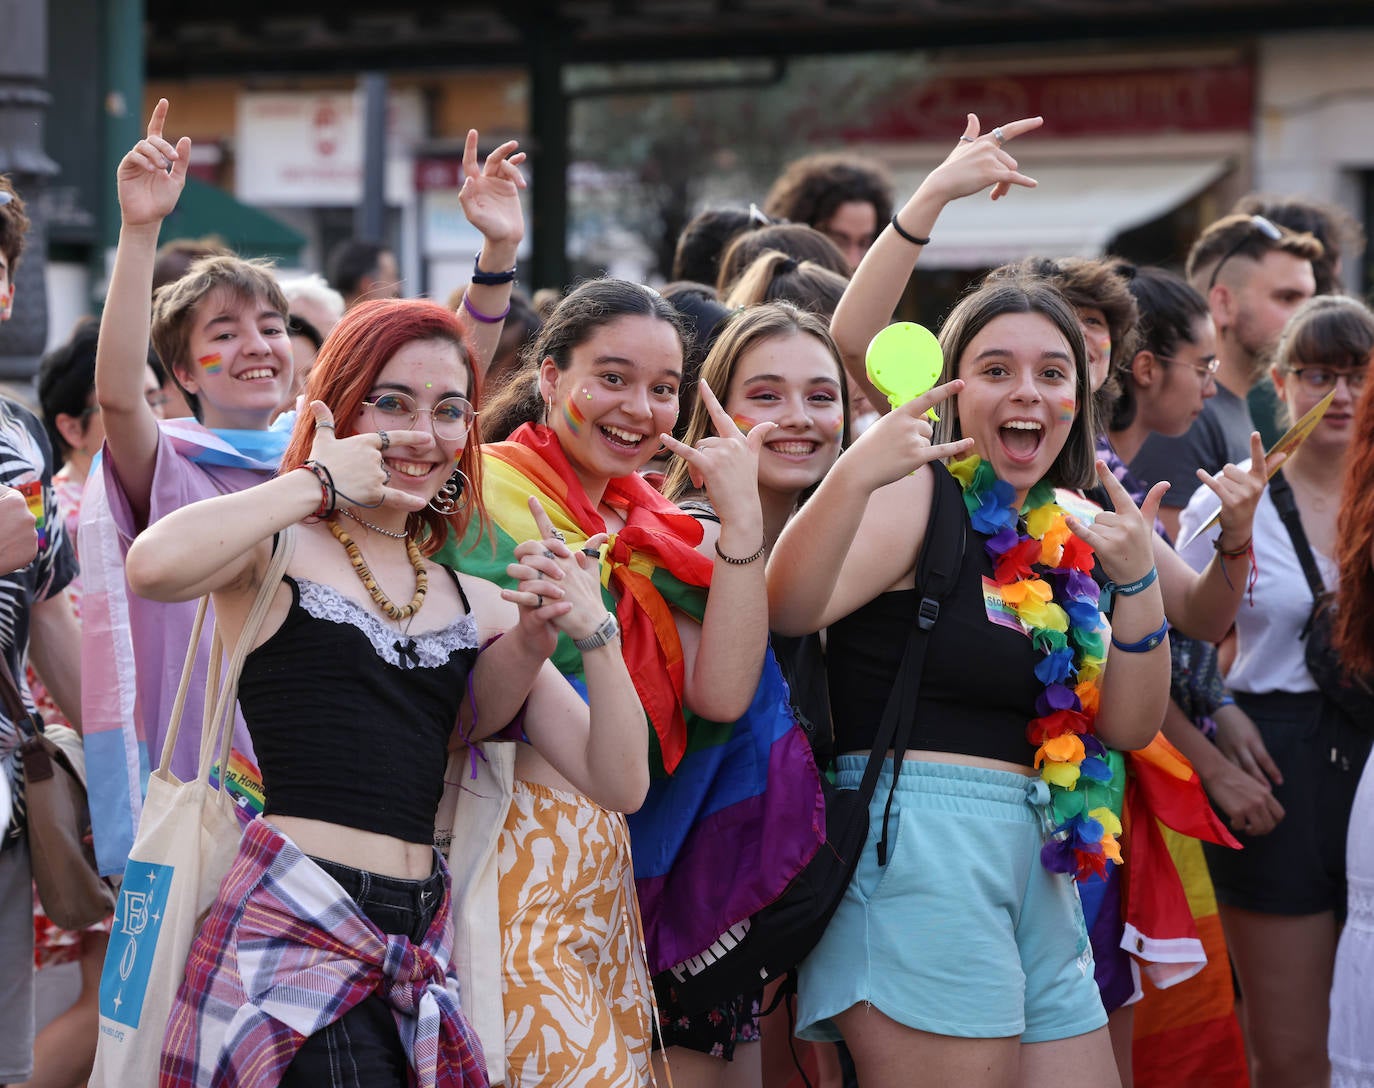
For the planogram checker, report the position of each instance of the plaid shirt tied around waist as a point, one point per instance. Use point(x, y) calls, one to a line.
point(284, 953)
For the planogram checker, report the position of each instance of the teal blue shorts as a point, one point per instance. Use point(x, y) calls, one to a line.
point(963, 932)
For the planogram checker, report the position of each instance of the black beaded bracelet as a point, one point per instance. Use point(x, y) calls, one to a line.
point(908, 235)
point(490, 279)
point(740, 562)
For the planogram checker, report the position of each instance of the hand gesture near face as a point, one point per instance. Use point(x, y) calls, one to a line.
point(1122, 537)
point(356, 463)
point(978, 161)
point(726, 464)
point(1239, 490)
point(151, 176)
point(491, 196)
point(559, 588)
point(900, 442)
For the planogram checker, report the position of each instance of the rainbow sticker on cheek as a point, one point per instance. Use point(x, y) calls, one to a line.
point(744, 423)
point(213, 364)
point(573, 415)
point(1067, 406)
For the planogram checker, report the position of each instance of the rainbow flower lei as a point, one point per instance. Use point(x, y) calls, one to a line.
point(1045, 575)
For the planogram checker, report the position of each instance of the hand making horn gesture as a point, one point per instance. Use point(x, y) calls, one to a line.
point(1239, 490)
point(151, 176)
point(357, 465)
point(726, 464)
point(901, 441)
point(559, 587)
point(490, 196)
point(1122, 537)
point(978, 161)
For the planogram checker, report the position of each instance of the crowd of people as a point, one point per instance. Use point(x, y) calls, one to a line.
point(563, 620)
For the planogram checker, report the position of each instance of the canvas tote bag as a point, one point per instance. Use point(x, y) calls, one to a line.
point(187, 838)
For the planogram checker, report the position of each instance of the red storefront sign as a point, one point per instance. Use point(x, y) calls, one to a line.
point(1200, 98)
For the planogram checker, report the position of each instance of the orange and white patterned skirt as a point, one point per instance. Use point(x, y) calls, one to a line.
point(574, 982)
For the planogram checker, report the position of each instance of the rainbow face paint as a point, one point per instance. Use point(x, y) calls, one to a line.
point(1067, 406)
point(212, 364)
point(744, 423)
point(573, 415)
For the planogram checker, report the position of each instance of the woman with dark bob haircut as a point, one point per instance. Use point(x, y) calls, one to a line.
point(353, 698)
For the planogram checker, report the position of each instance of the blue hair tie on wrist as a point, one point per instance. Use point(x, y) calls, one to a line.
point(1146, 644)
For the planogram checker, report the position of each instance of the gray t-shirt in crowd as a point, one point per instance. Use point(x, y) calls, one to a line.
point(1219, 436)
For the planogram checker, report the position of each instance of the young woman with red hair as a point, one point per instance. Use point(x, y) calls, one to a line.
point(365, 673)
point(1350, 1044)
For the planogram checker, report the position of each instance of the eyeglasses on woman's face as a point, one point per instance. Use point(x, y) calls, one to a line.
point(450, 419)
point(1321, 379)
point(1207, 371)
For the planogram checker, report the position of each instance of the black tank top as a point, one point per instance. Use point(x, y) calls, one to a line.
point(978, 687)
point(350, 720)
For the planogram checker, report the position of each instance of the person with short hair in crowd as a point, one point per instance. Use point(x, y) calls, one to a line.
point(1254, 275)
point(847, 201)
point(361, 270)
point(1283, 897)
point(37, 624)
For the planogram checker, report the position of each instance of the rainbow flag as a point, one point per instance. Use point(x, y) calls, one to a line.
point(734, 810)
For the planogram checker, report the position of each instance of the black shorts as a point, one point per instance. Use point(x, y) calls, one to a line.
point(1299, 867)
point(715, 1032)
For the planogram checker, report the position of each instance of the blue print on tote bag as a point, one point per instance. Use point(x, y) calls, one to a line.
point(133, 941)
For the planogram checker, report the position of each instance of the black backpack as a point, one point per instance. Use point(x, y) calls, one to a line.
point(770, 943)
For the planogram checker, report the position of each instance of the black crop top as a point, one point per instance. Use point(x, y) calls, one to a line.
point(349, 723)
point(978, 687)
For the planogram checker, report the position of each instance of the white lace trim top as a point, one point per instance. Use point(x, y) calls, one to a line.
point(433, 648)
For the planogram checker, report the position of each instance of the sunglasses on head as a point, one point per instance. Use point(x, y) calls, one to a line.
point(1257, 223)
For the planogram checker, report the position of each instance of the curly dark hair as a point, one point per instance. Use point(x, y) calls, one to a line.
point(811, 189)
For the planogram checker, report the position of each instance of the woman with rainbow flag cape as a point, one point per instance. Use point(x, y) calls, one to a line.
point(772, 363)
point(734, 810)
point(963, 952)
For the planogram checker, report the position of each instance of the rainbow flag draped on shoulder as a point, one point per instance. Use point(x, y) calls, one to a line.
point(734, 810)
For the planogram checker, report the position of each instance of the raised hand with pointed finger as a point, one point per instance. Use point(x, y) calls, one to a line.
point(151, 176)
point(490, 195)
point(1122, 537)
point(900, 442)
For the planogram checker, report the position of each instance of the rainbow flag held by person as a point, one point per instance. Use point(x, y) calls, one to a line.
point(734, 810)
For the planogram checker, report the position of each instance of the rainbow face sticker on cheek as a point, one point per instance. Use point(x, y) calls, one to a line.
point(744, 423)
point(1067, 407)
point(212, 364)
point(573, 415)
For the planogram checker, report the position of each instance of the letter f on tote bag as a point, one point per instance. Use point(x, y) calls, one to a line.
point(187, 838)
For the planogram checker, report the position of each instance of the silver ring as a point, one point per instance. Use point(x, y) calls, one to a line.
point(549, 553)
point(966, 139)
point(386, 439)
point(999, 136)
point(540, 598)
point(557, 535)
point(320, 425)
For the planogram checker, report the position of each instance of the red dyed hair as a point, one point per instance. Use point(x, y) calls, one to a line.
point(365, 338)
point(1353, 632)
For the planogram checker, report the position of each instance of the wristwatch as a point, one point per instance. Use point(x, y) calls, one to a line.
point(607, 630)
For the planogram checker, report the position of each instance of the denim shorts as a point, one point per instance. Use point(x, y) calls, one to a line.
point(362, 1049)
point(963, 932)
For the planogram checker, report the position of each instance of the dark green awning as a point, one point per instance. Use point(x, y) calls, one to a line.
point(204, 209)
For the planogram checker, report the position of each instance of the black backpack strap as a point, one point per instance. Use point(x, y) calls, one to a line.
point(1281, 491)
point(937, 573)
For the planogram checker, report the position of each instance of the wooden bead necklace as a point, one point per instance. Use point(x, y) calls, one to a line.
point(360, 567)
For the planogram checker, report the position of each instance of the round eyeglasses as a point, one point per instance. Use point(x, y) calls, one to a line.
point(449, 419)
point(1206, 371)
point(1321, 379)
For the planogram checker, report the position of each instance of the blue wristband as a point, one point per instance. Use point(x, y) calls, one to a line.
point(1146, 644)
point(1130, 589)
